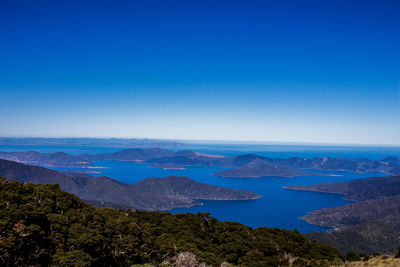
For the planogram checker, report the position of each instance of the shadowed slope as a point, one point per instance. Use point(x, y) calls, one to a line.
point(101, 188)
point(184, 186)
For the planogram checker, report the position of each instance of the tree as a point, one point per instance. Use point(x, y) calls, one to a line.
point(42, 225)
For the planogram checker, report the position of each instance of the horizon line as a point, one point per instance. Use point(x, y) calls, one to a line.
point(215, 141)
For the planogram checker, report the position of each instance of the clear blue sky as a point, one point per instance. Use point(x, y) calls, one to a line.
point(300, 71)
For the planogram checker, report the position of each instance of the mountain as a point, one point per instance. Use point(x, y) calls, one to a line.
point(135, 154)
point(185, 158)
point(184, 186)
point(371, 224)
point(58, 159)
point(42, 225)
point(371, 237)
point(358, 190)
point(138, 196)
point(384, 210)
point(388, 165)
point(90, 142)
point(260, 168)
point(98, 189)
point(249, 165)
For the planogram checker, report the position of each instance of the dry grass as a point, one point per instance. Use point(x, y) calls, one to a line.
point(382, 261)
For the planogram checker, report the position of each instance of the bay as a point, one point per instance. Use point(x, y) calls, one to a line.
point(277, 208)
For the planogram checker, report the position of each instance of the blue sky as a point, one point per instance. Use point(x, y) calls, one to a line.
point(296, 71)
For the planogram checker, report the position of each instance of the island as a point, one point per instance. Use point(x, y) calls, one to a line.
point(240, 166)
point(186, 187)
point(260, 168)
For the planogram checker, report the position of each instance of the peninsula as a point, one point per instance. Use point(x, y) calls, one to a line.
point(377, 207)
point(148, 194)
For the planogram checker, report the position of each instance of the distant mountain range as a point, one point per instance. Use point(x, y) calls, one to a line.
point(58, 159)
point(131, 155)
point(371, 224)
point(91, 142)
point(149, 194)
point(260, 167)
point(249, 165)
point(358, 190)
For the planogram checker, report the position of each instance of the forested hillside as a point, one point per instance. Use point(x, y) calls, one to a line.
point(371, 225)
point(42, 225)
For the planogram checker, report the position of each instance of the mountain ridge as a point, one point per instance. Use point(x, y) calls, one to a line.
point(241, 164)
point(169, 186)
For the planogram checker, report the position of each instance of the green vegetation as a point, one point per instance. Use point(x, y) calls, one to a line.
point(42, 225)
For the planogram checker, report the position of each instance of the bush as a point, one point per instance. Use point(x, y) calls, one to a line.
point(336, 262)
point(398, 253)
point(352, 256)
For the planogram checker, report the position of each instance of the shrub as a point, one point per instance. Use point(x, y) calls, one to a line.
point(186, 259)
point(398, 253)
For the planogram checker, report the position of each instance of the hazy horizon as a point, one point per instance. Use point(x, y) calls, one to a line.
point(204, 141)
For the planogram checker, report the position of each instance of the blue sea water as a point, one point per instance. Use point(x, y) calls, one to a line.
point(277, 207)
point(305, 151)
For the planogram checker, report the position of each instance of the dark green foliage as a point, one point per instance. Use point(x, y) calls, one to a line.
point(398, 253)
point(364, 256)
point(352, 256)
point(41, 225)
point(366, 238)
